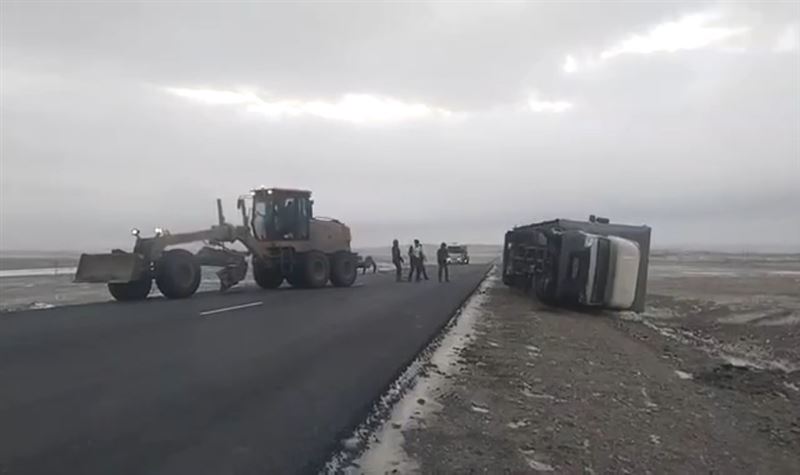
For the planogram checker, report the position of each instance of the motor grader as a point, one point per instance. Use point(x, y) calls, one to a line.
point(282, 237)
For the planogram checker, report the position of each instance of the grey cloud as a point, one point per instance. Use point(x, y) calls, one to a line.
point(92, 144)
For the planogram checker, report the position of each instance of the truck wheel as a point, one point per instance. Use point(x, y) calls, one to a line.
point(343, 269)
point(266, 277)
point(543, 288)
point(178, 274)
point(128, 291)
point(315, 269)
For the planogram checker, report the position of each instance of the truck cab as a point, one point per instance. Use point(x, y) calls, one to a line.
point(602, 271)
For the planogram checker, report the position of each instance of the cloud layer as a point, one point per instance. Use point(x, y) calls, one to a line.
point(419, 120)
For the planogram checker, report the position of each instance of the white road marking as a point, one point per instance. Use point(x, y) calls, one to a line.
point(227, 309)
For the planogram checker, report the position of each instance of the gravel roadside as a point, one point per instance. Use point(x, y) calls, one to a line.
point(543, 389)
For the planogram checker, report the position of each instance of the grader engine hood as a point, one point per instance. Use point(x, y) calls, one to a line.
point(329, 235)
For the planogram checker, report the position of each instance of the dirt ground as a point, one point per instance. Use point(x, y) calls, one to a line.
point(706, 380)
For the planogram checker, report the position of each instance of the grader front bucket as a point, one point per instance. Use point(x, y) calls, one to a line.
point(115, 267)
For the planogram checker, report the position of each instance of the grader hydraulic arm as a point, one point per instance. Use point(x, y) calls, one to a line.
point(125, 271)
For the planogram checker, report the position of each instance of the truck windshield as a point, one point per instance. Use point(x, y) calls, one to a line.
point(455, 249)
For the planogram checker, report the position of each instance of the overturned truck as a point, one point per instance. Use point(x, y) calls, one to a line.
point(591, 263)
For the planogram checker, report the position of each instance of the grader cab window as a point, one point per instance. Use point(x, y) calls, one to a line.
point(263, 215)
point(281, 217)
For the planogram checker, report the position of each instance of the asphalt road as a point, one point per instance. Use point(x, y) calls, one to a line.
point(250, 381)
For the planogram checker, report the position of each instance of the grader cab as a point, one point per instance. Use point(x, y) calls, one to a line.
point(282, 237)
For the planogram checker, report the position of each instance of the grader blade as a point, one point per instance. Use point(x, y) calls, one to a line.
point(113, 267)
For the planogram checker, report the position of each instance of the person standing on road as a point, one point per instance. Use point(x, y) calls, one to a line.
point(441, 258)
point(422, 260)
point(412, 262)
point(415, 252)
point(397, 260)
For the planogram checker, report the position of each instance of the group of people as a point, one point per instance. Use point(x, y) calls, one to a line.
point(416, 261)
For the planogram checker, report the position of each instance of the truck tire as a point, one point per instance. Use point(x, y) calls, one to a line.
point(316, 269)
point(544, 290)
point(266, 277)
point(343, 269)
point(178, 274)
point(129, 291)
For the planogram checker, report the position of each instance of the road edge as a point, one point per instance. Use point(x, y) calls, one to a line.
point(353, 443)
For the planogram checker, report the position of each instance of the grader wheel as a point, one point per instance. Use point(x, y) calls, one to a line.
point(266, 277)
point(178, 274)
point(315, 269)
point(343, 269)
point(129, 291)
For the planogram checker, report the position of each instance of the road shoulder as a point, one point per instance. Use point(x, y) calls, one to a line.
point(544, 389)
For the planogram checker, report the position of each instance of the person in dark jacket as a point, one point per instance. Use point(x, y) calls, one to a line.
point(397, 259)
point(412, 263)
point(441, 257)
point(422, 259)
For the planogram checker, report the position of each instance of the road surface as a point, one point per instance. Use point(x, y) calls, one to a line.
point(250, 381)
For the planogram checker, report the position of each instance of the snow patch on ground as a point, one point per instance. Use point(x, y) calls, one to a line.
point(731, 354)
point(742, 318)
point(792, 319)
point(535, 464)
point(784, 272)
point(768, 319)
point(518, 424)
point(377, 445)
point(755, 363)
point(38, 272)
point(712, 273)
point(683, 374)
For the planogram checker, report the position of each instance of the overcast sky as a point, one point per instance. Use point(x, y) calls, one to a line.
point(443, 121)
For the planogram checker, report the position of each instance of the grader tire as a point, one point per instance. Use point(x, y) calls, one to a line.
point(178, 274)
point(266, 277)
point(316, 269)
point(297, 279)
point(130, 291)
point(343, 269)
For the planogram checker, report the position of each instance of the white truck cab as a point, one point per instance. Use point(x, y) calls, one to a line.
point(612, 274)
